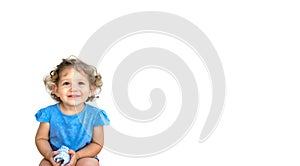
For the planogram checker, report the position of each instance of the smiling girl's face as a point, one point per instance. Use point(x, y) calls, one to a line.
point(73, 87)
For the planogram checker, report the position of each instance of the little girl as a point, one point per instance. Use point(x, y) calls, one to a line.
point(71, 122)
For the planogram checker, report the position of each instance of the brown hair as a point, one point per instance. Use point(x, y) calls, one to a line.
point(94, 77)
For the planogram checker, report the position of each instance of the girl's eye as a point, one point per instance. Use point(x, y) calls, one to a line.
point(81, 83)
point(66, 83)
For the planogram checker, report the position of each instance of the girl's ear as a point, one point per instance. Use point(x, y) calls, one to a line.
point(92, 91)
point(54, 90)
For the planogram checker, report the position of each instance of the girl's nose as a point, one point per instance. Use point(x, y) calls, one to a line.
point(74, 87)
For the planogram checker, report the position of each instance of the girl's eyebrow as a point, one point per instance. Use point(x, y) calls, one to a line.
point(81, 79)
point(65, 79)
point(68, 79)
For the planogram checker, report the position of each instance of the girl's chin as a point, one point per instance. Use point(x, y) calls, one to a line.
point(75, 103)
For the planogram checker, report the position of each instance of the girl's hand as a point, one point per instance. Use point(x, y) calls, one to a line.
point(50, 157)
point(73, 159)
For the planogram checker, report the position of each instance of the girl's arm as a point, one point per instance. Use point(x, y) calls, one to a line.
point(95, 146)
point(42, 142)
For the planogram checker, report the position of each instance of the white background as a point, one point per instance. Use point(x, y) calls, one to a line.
point(257, 42)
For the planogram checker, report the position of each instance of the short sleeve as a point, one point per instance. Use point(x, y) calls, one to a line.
point(102, 118)
point(42, 116)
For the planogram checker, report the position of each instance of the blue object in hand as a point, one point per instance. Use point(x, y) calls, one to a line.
point(63, 156)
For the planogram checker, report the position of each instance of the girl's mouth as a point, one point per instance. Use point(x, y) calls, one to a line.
point(73, 96)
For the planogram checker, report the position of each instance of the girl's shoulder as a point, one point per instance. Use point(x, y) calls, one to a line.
point(99, 114)
point(53, 107)
point(93, 108)
point(44, 114)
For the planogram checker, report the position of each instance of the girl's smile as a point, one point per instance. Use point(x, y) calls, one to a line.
point(73, 96)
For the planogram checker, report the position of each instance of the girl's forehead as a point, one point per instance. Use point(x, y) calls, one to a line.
point(72, 72)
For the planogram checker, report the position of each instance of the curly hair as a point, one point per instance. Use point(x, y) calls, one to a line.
point(94, 77)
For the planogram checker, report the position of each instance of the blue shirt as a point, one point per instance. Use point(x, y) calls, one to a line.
point(73, 131)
